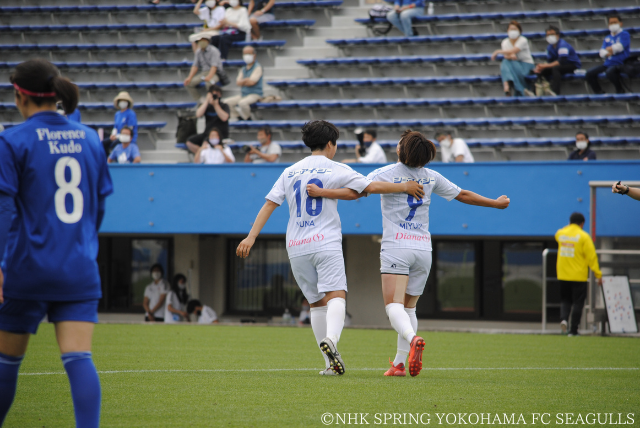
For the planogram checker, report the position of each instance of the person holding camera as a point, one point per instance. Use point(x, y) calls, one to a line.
point(268, 151)
point(214, 151)
point(216, 114)
point(206, 66)
point(368, 150)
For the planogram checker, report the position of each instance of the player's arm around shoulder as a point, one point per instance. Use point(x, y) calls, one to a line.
point(344, 193)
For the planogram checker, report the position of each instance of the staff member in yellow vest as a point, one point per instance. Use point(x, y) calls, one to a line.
point(576, 254)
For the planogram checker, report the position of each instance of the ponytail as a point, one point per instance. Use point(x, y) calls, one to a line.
point(40, 80)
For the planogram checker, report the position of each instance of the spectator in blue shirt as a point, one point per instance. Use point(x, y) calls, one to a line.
point(403, 13)
point(561, 59)
point(125, 116)
point(583, 151)
point(125, 152)
point(614, 51)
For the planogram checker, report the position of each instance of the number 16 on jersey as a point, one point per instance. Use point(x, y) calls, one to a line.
point(311, 210)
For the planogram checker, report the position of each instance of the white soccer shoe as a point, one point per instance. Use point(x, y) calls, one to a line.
point(335, 360)
point(328, 372)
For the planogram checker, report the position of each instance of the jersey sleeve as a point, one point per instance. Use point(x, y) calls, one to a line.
point(351, 179)
point(277, 193)
point(445, 188)
point(9, 179)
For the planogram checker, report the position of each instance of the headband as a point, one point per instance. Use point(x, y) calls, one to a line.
point(34, 94)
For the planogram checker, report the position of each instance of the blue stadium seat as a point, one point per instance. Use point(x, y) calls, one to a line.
point(138, 27)
point(117, 64)
point(152, 8)
point(107, 125)
point(131, 46)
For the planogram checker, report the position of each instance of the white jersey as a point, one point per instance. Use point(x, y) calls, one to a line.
point(405, 220)
point(207, 315)
point(314, 223)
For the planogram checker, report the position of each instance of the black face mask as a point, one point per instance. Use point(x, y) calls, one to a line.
point(198, 313)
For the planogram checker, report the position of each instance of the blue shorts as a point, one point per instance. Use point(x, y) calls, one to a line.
point(24, 316)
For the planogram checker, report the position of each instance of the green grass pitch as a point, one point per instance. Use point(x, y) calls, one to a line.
point(230, 376)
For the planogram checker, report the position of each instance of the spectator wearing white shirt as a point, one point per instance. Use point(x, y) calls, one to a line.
point(212, 13)
point(372, 153)
point(268, 152)
point(235, 27)
point(517, 63)
point(154, 295)
point(453, 149)
point(214, 151)
point(205, 314)
point(176, 301)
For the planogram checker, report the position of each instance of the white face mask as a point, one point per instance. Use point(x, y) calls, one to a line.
point(446, 142)
point(214, 141)
point(156, 275)
point(211, 4)
point(123, 104)
point(581, 145)
point(181, 285)
point(513, 34)
point(614, 28)
point(234, 3)
point(124, 138)
point(202, 44)
point(247, 58)
point(552, 40)
point(60, 112)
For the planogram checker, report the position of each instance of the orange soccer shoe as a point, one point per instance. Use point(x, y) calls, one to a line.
point(398, 370)
point(415, 356)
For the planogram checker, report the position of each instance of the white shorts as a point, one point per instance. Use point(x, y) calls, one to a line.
point(407, 261)
point(319, 273)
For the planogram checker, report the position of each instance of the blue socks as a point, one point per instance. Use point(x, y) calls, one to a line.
point(85, 388)
point(9, 367)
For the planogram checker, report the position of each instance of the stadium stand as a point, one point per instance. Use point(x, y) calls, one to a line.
point(325, 64)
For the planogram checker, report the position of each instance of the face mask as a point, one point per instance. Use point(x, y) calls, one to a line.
point(60, 112)
point(614, 28)
point(513, 34)
point(202, 44)
point(248, 58)
point(446, 142)
point(123, 104)
point(262, 140)
point(552, 40)
point(181, 285)
point(214, 141)
point(156, 275)
point(581, 145)
point(198, 313)
point(234, 3)
point(211, 4)
point(124, 138)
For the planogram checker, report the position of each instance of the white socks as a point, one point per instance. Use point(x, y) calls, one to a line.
point(336, 310)
point(405, 322)
point(319, 326)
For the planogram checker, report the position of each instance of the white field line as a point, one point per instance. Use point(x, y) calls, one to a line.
point(356, 369)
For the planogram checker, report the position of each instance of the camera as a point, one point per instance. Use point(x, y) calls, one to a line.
point(362, 150)
point(246, 148)
point(215, 97)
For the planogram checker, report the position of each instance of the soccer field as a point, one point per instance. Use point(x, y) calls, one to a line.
point(214, 376)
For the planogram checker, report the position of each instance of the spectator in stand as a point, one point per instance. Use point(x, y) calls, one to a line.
point(403, 13)
point(154, 295)
point(517, 62)
point(216, 114)
point(268, 152)
point(212, 13)
point(561, 59)
point(125, 116)
point(453, 149)
point(260, 9)
point(583, 148)
point(206, 64)
point(205, 314)
point(250, 81)
point(214, 151)
point(235, 27)
point(615, 50)
point(176, 301)
point(623, 189)
point(373, 152)
point(125, 152)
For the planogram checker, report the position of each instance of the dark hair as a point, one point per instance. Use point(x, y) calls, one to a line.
point(554, 29)
point(182, 294)
point(318, 133)
point(266, 129)
point(157, 266)
point(214, 129)
point(517, 24)
point(442, 134)
point(371, 132)
point(583, 133)
point(192, 305)
point(40, 76)
point(614, 16)
point(215, 88)
point(576, 218)
point(415, 149)
point(127, 128)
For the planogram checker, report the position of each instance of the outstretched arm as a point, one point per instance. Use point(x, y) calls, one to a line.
point(632, 192)
point(264, 214)
point(470, 198)
point(410, 187)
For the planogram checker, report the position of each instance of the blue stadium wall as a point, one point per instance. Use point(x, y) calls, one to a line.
point(224, 199)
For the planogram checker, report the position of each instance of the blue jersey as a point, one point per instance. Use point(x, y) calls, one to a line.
point(57, 173)
point(563, 50)
point(625, 40)
point(75, 116)
point(127, 118)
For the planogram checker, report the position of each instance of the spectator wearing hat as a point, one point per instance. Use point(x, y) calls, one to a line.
point(260, 9)
point(583, 148)
point(250, 81)
point(206, 63)
point(269, 151)
point(235, 27)
point(561, 59)
point(125, 116)
point(125, 152)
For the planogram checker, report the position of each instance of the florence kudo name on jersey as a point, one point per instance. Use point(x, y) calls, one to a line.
point(57, 147)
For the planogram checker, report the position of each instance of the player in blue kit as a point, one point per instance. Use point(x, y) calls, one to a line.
point(53, 184)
